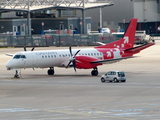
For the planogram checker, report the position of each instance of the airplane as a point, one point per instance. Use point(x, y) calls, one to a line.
point(79, 58)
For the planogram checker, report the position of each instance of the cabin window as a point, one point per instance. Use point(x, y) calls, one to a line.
point(42, 56)
point(54, 55)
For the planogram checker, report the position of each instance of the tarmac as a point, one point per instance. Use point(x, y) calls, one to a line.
point(70, 95)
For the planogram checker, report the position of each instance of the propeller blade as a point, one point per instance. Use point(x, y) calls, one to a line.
point(32, 48)
point(68, 64)
point(74, 65)
point(25, 48)
point(76, 53)
point(70, 50)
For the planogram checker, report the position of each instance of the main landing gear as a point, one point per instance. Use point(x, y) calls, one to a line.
point(16, 75)
point(51, 71)
point(94, 72)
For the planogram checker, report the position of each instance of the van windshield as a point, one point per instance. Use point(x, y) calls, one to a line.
point(121, 74)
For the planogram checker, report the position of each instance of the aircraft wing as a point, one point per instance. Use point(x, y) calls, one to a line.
point(9, 54)
point(110, 60)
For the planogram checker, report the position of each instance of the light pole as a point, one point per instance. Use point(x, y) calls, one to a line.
point(83, 18)
point(28, 19)
point(100, 13)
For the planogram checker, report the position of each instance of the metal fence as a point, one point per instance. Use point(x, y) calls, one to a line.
point(55, 40)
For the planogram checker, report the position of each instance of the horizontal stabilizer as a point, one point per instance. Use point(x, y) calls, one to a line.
point(139, 48)
point(110, 60)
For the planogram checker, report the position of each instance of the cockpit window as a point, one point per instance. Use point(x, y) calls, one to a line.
point(23, 56)
point(19, 56)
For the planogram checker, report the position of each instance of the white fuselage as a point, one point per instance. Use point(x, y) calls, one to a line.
point(44, 59)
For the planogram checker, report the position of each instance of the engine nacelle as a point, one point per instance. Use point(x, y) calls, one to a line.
point(84, 62)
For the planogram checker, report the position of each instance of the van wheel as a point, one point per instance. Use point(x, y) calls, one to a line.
point(102, 80)
point(115, 80)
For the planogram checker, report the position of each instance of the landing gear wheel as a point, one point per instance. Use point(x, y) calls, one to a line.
point(102, 80)
point(16, 76)
point(94, 72)
point(50, 72)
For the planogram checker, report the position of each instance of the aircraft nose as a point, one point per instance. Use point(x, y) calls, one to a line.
point(9, 65)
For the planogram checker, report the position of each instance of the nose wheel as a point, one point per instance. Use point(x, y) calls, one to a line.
point(16, 74)
point(94, 72)
point(51, 71)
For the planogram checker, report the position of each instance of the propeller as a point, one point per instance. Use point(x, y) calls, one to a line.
point(26, 49)
point(72, 59)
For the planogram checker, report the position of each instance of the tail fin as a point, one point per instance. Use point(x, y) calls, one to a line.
point(127, 41)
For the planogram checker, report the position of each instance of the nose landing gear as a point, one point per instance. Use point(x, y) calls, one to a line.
point(16, 74)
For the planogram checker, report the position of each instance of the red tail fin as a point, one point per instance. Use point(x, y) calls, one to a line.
point(127, 41)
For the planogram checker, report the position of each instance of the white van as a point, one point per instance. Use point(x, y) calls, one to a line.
point(105, 30)
point(114, 76)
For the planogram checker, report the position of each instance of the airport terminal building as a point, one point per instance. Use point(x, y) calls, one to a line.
point(114, 16)
point(147, 12)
